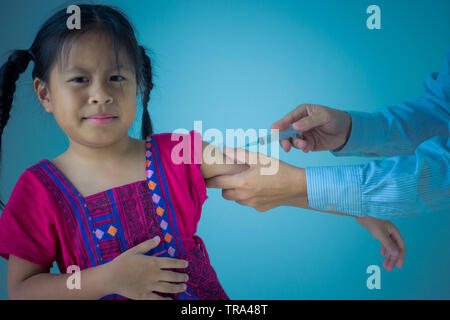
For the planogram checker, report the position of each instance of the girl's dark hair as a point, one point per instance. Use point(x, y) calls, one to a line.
point(52, 43)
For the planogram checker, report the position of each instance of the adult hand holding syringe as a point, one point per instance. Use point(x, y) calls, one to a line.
point(322, 128)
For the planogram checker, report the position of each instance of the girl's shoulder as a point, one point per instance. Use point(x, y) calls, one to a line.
point(182, 148)
point(27, 221)
point(31, 177)
point(31, 192)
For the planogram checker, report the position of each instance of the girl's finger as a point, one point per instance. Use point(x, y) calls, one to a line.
point(154, 296)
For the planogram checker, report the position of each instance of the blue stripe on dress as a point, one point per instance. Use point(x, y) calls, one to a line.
point(77, 212)
point(116, 215)
point(164, 182)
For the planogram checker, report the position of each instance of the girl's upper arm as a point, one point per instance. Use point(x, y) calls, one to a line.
point(19, 270)
point(214, 163)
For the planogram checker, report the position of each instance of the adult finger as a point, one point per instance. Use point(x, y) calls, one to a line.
point(391, 247)
point(233, 194)
point(300, 144)
point(286, 144)
point(387, 263)
point(290, 118)
point(309, 122)
point(392, 261)
point(224, 181)
point(397, 237)
point(242, 155)
point(383, 250)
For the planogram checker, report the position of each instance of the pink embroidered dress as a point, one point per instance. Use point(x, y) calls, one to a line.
point(46, 219)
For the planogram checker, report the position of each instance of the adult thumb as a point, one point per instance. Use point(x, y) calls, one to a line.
point(147, 245)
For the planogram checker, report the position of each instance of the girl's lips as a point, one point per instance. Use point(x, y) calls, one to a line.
point(101, 120)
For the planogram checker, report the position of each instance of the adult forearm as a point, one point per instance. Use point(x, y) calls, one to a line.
point(298, 185)
point(46, 286)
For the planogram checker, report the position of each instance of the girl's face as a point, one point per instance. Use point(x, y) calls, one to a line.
point(90, 86)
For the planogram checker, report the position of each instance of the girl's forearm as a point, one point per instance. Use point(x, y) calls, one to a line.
point(47, 286)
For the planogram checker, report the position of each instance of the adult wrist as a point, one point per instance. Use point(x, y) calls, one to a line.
point(298, 186)
point(347, 136)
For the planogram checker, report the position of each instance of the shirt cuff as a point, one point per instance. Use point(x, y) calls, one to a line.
point(365, 134)
point(335, 189)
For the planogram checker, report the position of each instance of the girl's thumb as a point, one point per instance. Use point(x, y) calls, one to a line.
point(147, 245)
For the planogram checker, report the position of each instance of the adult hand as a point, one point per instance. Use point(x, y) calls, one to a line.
point(135, 275)
point(392, 244)
point(323, 128)
point(266, 184)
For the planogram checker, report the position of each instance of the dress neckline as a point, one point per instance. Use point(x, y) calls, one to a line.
point(61, 174)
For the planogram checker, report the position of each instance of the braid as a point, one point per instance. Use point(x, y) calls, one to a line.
point(147, 85)
point(9, 73)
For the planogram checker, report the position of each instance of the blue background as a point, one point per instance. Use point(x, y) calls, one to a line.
point(245, 64)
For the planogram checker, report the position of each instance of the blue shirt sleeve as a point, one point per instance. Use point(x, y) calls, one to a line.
point(416, 176)
point(386, 189)
point(398, 130)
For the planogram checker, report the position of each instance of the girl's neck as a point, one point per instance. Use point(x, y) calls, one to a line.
point(103, 155)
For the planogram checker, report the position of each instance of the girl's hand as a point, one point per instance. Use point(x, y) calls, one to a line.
point(136, 276)
point(323, 128)
point(392, 244)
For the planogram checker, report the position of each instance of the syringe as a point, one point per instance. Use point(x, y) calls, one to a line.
point(286, 134)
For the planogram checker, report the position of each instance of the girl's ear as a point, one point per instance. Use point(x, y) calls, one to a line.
point(41, 89)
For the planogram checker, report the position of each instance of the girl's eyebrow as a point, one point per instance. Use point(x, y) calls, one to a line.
point(81, 69)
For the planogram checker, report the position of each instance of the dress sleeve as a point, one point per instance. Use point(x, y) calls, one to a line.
point(27, 228)
point(182, 153)
point(198, 185)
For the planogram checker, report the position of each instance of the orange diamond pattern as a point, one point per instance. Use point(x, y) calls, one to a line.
point(112, 230)
point(151, 185)
point(160, 211)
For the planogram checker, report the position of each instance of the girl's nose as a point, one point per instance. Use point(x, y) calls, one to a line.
point(100, 96)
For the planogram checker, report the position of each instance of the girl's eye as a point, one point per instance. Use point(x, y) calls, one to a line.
point(118, 78)
point(79, 78)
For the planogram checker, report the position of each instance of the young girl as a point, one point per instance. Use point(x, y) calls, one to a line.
point(118, 208)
